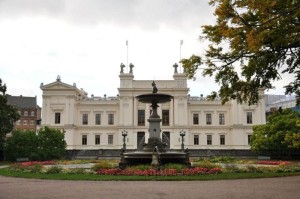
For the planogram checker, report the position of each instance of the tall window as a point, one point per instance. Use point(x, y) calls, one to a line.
point(85, 118)
point(221, 119)
point(25, 113)
point(141, 117)
point(98, 119)
point(196, 139)
point(209, 139)
point(97, 139)
point(84, 140)
point(195, 118)
point(32, 113)
point(208, 118)
point(249, 117)
point(249, 139)
point(165, 118)
point(110, 119)
point(222, 139)
point(57, 118)
point(110, 139)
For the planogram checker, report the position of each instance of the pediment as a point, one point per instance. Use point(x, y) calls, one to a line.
point(57, 86)
point(60, 86)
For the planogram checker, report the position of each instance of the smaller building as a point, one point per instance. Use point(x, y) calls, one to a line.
point(30, 112)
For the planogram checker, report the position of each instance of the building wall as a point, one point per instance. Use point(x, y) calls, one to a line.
point(72, 104)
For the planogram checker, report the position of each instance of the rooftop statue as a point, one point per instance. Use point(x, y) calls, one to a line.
point(131, 66)
point(122, 66)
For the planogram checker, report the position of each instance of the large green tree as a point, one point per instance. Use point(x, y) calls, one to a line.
point(21, 144)
point(250, 45)
point(51, 143)
point(281, 133)
point(8, 115)
point(47, 144)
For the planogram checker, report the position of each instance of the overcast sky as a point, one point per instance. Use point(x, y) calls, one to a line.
point(84, 41)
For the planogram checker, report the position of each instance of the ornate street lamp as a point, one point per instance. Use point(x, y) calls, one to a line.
point(124, 134)
point(182, 134)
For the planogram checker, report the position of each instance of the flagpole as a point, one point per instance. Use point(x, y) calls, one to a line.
point(127, 55)
point(181, 42)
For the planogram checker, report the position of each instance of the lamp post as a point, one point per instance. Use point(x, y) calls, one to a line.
point(124, 134)
point(182, 134)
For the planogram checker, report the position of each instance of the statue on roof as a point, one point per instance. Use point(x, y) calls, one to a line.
point(131, 67)
point(122, 66)
point(175, 68)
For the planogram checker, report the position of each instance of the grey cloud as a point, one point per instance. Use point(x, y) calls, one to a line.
point(142, 13)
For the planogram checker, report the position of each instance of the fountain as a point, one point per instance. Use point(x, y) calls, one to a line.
point(155, 152)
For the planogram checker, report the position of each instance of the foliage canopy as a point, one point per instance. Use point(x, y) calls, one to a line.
point(251, 44)
point(281, 133)
point(8, 115)
point(47, 144)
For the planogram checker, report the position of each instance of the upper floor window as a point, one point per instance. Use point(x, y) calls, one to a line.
point(221, 119)
point(208, 119)
point(141, 117)
point(25, 113)
point(249, 117)
point(222, 139)
point(196, 139)
point(32, 113)
point(195, 118)
point(57, 118)
point(98, 119)
point(85, 118)
point(165, 118)
point(209, 139)
point(110, 119)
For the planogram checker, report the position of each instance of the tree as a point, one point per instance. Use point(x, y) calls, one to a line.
point(21, 144)
point(47, 144)
point(251, 44)
point(8, 115)
point(281, 133)
point(51, 143)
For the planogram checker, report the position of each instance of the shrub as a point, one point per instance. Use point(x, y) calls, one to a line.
point(177, 167)
point(222, 159)
point(204, 164)
point(232, 168)
point(103, 164)
point(54, 170)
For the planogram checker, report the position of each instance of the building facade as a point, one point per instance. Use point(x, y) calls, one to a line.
point(97, 123)
point(29, 111)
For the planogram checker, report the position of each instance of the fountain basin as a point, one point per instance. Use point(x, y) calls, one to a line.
point(154, 98)
point(145, 157)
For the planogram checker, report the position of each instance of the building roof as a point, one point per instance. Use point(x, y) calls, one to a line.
point(21, 101)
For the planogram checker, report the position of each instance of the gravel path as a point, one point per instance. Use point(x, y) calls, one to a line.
point(19, 188)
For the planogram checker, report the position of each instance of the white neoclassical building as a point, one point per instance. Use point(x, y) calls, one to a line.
point(96, 123)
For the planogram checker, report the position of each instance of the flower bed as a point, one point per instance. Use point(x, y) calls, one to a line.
point(270, 162)
point(164, 172)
